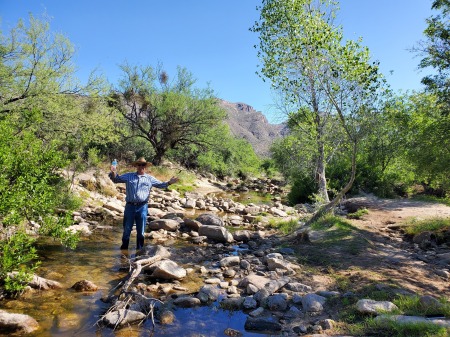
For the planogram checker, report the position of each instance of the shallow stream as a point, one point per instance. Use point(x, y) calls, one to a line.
point(64, 312)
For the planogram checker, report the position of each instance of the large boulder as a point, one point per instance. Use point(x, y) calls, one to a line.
point(123, 317)
point(216, 233)
point(168, 270)
point(166, 224)
point(208, 219)
point(11, 323)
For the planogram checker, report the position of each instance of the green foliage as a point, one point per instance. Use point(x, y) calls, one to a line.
point(436, 51)
point(285, 227)
point(169, 115)
point(17, 254)
point(302, 190)
point(394, 329)
point(358, 214)
point(436, 225)
point(329, 88)
point(410, 305)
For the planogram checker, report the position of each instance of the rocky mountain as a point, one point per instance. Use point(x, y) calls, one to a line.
point(245, 122)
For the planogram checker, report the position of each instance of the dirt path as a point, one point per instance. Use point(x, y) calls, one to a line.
point(389, 258)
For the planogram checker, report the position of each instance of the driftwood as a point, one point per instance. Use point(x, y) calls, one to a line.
point(136, 268)
point(126, 298)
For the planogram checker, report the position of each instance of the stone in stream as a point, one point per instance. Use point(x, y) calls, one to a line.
point(123, 317)
point(207, 219)
point(12, 323)
point(84, 285)
point(168, 270)
point(262, 324)
point(216, 233)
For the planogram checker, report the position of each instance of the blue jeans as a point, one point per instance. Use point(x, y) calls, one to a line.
point(134, 214)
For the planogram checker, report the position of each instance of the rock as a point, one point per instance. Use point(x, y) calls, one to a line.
point(114, 205)
point(166, 224)
point(39, 282)
point(215, 233)
point(298, 287)
point(277, 302)
point(278, 212)
point(208, 293)
point(242, 235)
point(168, 270)
point(166, 317)
point(258, 281)
point(192, 224)
point(400, 319)
point(207, 219)
point(429, 302)
point(190, 203)
point(230, 261)
point(262, 324)
point(232, 333)
point(368, 306)
point(84, 285)
point(187, 302)
point(157, 250)
point(232, 304)
point(123, 317)
point(313, 302)
point(274, 264)
point(249, 303)
point(11, 323)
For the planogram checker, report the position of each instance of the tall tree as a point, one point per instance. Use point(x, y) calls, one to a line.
point(319, 76)
point(436, 51)
point(169, 115)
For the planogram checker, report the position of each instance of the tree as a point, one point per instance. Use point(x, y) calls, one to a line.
point(168, 115)
point(436, 51)
point(319, 76)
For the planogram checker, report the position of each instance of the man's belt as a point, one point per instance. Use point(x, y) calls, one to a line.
point(137, 203)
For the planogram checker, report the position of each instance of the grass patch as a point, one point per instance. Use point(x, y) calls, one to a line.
point(436, 225)
point(410, 305)
point(432, 199)
point(286, 227)
point(389, 328)
point(358, 214)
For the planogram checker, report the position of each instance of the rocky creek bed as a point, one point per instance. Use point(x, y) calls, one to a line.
point(207, 255)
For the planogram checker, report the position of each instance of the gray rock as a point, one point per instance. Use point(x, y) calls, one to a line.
point(123, 317)
point(256, 280)
point(208, 293)
point(256, 312)
point(313, 302)
point(187, 302)
point(242, 235)
point(400, 319)
point(230, 261)
point(17, 323)
point(262, 324)
point(168, 270)
point(192, 224)
point(249, 303)
point(277, 302)
point(209, 220)
point(216, 233)
point(157, 250)
point(298, 287)
point(368, 306)
point(166, 224)
point(234, 303)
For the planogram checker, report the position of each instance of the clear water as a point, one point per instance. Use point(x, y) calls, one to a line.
point(64, 312)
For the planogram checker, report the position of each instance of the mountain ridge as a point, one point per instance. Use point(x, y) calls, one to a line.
point(245, 122)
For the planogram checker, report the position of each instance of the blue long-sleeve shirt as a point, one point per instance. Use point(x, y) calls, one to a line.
point(137, 186)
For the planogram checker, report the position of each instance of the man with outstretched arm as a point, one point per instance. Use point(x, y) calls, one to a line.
point(138, 186)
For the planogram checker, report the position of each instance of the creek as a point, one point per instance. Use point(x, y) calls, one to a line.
point(64, 312)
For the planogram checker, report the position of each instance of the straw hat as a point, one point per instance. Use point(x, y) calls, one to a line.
point(141, 161)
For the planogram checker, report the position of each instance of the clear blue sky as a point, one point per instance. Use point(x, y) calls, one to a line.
point(211, 38)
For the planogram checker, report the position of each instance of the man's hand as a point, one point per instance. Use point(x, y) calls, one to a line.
point(173, 180)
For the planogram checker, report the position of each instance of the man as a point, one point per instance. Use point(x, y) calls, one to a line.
point(138, 186)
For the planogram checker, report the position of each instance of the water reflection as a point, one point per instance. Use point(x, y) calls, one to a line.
point(64, 312)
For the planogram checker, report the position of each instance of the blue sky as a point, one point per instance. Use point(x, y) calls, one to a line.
point(211, 38)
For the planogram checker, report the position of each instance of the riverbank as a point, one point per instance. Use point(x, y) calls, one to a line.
point(235, 260)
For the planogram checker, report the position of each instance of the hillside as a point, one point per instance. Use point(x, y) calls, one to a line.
point(245, 122)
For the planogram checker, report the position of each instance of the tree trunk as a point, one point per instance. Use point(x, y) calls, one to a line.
point(320, 174)
point(330, 206)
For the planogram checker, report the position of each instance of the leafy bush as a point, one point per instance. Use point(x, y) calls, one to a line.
point(17, 254)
